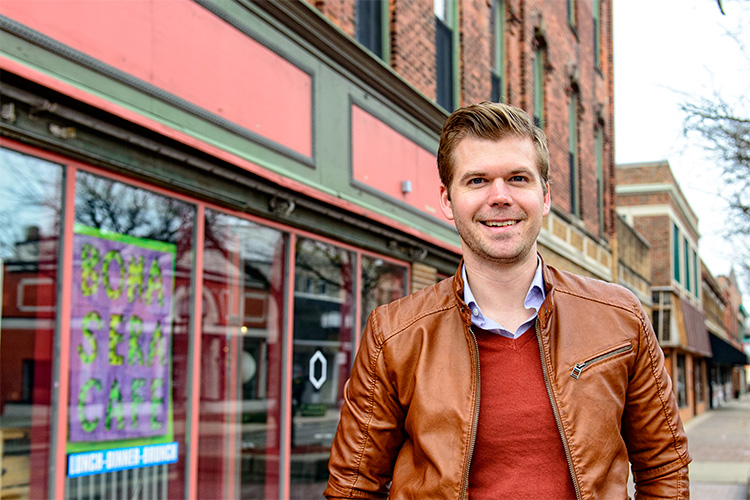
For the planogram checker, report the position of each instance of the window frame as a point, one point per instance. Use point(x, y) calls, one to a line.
point(573, 158)
point(497, 68)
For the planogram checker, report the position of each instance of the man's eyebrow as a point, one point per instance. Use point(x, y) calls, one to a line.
point(524, 170)
point(473, 173)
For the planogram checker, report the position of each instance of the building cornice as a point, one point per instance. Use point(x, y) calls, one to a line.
point(671, 189)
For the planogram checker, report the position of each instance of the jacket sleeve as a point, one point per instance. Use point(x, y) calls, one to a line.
point(370, 432)
point(653, 432)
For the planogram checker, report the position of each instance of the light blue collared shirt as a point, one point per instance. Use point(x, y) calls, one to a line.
point(534, 299)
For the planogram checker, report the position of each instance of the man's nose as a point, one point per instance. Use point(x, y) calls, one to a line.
point(499, 193)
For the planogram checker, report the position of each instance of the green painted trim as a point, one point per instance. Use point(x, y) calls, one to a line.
point(453, 20)
point(386, 31)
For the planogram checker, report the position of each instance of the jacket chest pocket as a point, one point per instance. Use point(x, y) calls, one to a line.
point(600, 358)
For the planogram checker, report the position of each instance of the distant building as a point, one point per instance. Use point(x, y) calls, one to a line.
point(650, 199)
point(729, 358)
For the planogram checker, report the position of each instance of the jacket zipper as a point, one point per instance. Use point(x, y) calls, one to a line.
point(579, 367)
point(556, 413)
point(465, 488)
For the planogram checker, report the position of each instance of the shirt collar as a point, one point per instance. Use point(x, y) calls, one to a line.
point(534, 299)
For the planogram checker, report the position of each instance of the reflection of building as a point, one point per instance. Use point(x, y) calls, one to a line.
point(287, 150)
point(649, 198)
point(28, 311)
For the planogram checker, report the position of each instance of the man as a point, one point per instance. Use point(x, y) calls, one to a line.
point(511, 379)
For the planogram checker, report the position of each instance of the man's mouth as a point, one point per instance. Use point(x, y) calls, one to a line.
point(492, 223)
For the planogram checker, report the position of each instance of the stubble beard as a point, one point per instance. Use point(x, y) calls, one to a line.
point(485, 249)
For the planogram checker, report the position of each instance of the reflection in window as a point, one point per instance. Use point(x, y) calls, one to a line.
point(323, 325)
point(682, 400)
point(29, 232)
point(243, 290)
point(382, 282)
point(130, 317)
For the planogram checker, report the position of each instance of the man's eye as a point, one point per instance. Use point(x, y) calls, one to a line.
point(476, 181)
point(518, 178)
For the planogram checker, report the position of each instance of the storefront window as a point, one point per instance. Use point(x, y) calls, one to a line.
point(699, 396)
point(323, 326)
point(681, 382)
point(240, 403)
point(130, 317)
point(29, 232)
point(382, 282)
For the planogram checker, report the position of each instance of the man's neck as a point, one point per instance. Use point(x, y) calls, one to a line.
point(500, 291)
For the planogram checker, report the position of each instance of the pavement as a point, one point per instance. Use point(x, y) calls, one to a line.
point(719, 442)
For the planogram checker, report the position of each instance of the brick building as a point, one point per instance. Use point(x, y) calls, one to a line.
point(725, 322)
point(267, 170)
point(650, 199)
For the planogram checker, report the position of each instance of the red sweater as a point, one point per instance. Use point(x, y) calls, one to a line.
point(518, 452)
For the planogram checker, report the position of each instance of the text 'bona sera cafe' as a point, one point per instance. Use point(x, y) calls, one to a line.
point(120, 353)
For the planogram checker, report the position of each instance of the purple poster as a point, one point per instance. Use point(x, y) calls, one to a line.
point(121, 337)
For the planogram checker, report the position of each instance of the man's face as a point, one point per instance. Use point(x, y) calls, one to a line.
point(496, 200)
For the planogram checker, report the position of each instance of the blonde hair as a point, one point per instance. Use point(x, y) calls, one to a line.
point(492, 121)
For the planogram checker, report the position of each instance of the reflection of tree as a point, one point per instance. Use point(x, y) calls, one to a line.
point(257, 245)
point(329, 264)
point(29, 202)
point(121, 209)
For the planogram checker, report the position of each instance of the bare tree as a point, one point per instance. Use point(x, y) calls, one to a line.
point(723, 129)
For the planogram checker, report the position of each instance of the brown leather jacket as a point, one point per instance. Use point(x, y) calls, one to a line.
point(407, 427)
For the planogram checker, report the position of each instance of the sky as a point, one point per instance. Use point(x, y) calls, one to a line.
point(665, 50)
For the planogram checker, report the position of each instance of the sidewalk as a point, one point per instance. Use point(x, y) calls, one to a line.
point(719, 442)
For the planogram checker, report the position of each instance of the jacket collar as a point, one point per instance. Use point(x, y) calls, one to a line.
point(544, 312)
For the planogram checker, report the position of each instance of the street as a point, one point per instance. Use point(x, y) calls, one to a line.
point(719, 442)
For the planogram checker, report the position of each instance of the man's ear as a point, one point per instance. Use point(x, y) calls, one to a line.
point(547, 200)
point(445, 202)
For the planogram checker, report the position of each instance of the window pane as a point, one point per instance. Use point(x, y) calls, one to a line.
point(675, 253)
point(444, 64)
point(538, 77)
point(240, 404)
point(370, 25)
point(686, 253)
point(698, 372)
point(681, 382)
point(29, 227)
point(130, 317)
point(441, 9)
point(323, 324)
point(382, 282)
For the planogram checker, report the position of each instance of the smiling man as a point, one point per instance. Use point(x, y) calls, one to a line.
point(511, 379)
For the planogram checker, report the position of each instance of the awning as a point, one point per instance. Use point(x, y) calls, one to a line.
point(692, 328)
point(725, 353)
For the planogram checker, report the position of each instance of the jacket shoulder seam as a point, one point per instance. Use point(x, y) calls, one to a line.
point(619, 305)
point(404, 326)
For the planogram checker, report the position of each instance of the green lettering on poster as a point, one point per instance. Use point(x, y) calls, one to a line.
point(113, 255)
point(88, 335)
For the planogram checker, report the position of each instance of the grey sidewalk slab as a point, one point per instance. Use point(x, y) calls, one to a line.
point(719, 443)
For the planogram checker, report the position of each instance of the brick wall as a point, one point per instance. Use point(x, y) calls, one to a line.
point(340, 12)
point(656, 231)
point(476, 39)
point(413, 43)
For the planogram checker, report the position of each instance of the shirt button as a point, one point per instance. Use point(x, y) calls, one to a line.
point(475, 311)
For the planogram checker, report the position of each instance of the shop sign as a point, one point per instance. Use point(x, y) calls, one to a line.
point(121, 343)
point(98, 462)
